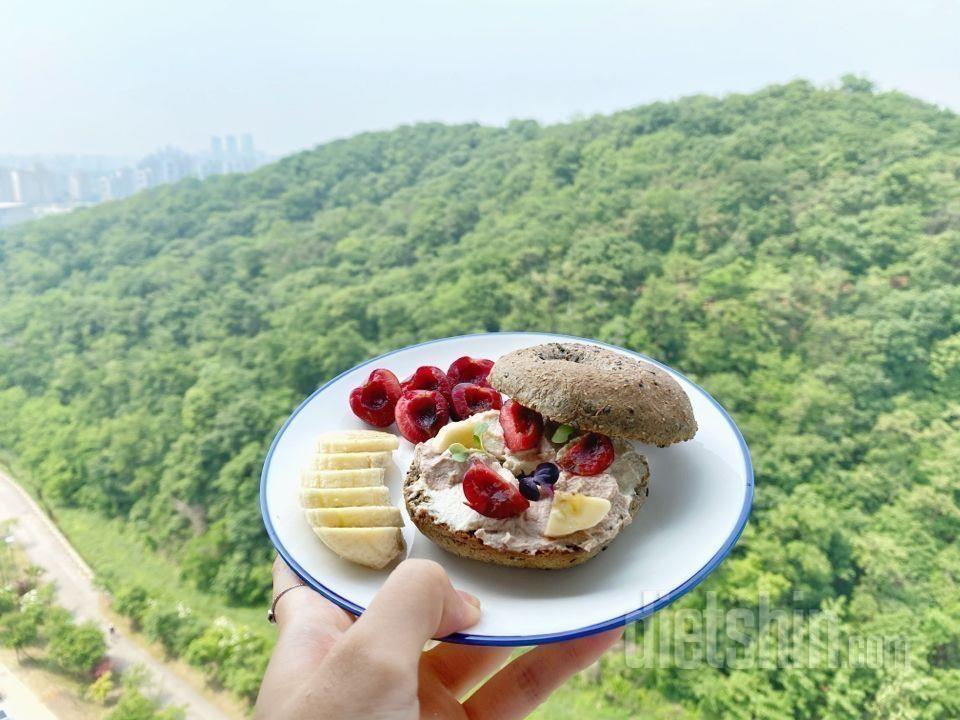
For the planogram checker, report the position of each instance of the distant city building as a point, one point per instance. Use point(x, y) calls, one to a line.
point(141, 179)
point(39, 185)
point(233, 154)
point(167, 165)
point(81, 188)
point(8, 192)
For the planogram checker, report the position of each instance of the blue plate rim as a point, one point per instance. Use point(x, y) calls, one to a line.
point(522, 640)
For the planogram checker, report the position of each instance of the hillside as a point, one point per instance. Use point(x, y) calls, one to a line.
point(797, 251)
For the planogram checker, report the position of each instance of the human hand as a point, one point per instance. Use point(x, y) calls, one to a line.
point(328, 664)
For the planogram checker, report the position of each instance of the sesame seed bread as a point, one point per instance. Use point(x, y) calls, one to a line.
point(599, 390)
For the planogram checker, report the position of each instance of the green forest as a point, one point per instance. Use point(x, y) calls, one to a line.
point(796, 251)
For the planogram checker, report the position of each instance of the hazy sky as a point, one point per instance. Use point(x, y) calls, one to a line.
point(126, 76)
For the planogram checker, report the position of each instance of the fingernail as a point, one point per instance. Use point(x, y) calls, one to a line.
point(471, 615)
point(471, 608)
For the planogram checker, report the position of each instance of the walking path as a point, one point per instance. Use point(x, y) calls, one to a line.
point(46, 546)
point(18, 701)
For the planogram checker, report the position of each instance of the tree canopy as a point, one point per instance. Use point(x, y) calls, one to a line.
point(795, 250)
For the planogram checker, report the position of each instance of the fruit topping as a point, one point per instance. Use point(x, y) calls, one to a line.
point(491, 495)
point(571, 512)
point(546, 473)
point(470, 399)
point(539, 484)
point(589, 454)
point(463, 433)
point(469, 370)
point(522, 427)
point(428, 377)
point(375, 400)
point(529, 488)
point(421, 414)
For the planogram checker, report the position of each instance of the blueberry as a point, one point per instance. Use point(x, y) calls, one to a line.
point(529, 488)
point(546, 473)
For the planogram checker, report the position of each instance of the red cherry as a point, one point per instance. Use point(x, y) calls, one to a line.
point(589, 454)
point(428, 377)
point(522, 427)
point(375, 400)
point(470, 399)
point(421, 414)
point(469, 370)
point(491, 495)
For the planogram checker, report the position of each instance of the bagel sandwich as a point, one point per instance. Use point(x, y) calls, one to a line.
point(549, 479)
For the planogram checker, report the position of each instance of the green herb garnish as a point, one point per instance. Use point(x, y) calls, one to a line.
point(458, 452)
point(562, 434)
point(478, 431)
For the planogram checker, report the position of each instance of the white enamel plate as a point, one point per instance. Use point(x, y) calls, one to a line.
point(700, 496)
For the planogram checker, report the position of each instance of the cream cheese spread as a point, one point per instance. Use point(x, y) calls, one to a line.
point(439, 482)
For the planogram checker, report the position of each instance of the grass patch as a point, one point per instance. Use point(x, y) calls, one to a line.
point(118, 556)
point(62, 695)
point(568, 703)
point(613, 698)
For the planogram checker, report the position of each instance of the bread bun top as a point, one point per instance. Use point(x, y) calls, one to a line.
point(597, 390)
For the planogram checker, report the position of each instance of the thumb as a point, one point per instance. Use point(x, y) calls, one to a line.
point(415, 604)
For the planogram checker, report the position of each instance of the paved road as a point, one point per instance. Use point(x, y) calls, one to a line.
point(18, 701)
point(46, 546)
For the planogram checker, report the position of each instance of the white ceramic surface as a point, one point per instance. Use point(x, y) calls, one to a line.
point(700, 496)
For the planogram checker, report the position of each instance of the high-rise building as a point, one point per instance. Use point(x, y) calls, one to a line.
point(8, 193)
point(104, 188)
point(248, 158)
point(39, 185)
point(122, 182)
point(142, 179)
point(232, 163)
point(167, 165)
point(81, 187)
point(214, 164)
point(16, 186)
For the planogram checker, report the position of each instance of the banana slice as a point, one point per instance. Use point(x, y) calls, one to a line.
point(373, 547)
point(369, 516)
point(343, 497)
point(351, 460)
point(571, 512)
point(456, 432)
point(362, 477)
point(353, 441)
